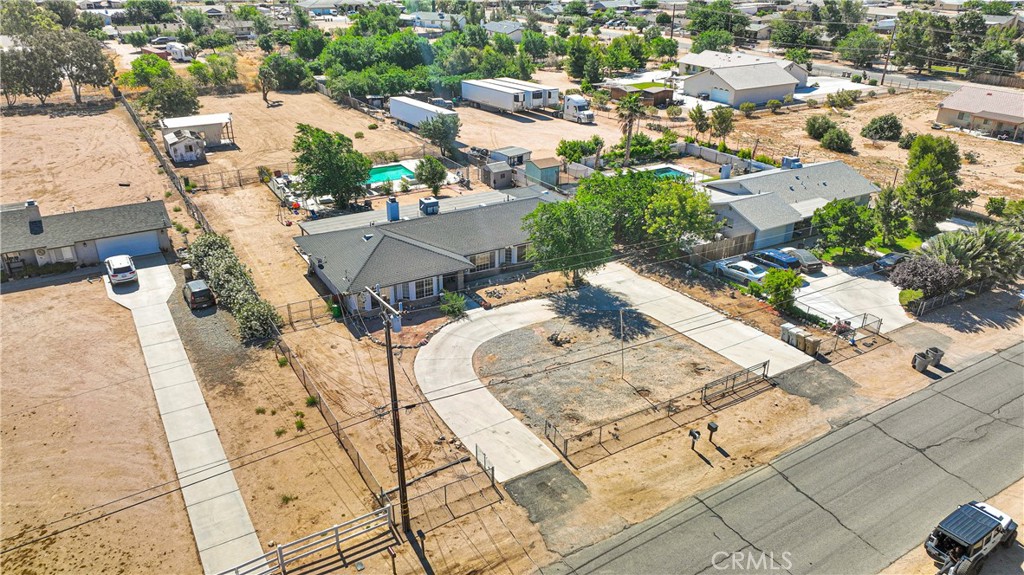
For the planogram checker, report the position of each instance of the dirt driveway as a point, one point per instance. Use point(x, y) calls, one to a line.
point(82, 436)
point(77, 162)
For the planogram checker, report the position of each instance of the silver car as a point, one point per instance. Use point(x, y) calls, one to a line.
point(741, 271)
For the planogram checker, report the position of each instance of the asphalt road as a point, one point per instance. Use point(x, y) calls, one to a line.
point(891, 78)
point(850, 502)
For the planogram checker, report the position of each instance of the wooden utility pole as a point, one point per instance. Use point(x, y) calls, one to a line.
point(672, 25)
point(888, 51)
point(403, 497)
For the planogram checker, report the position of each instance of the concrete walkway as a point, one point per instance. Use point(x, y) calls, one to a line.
point(444, 367)
point(729, 338)
point(220, 521)
point(850, 292)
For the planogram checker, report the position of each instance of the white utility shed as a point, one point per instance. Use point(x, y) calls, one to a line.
point(215, 129)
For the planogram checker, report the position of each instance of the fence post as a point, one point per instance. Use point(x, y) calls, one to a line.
point(280, 561)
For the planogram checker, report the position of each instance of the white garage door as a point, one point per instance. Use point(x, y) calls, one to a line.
point(131, 245)
point(720, 96)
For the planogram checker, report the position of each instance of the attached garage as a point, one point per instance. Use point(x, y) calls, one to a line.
point(721, 96)
point(83, 238)
point(138, 244)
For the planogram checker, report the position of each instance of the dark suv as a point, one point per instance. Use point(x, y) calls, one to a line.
point(775, 259)
point(198, 294)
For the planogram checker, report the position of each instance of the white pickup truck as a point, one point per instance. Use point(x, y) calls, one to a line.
point(964, 540)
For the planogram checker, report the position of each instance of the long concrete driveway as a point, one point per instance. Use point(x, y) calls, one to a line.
point(849, 292)
point(444, 367)
point(851, 502)
point(220, 521)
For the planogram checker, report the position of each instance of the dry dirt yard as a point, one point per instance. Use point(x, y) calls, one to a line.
point(537, 132)
point(783, 134)
point(80, 428)
point(264, 135)
point(81, 162)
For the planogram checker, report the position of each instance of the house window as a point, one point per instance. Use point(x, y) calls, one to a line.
point(424, 288)
point(484, 261)
point(508, 255)
point(962, 116)
point(984, 122)
point(521, 253)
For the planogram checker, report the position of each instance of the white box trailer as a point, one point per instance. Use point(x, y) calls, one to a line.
point(548, 93)
point(179, 52)
point(493, 96)
point(412, 112)
point(532, 99)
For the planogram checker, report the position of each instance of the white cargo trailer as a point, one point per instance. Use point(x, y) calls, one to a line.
point(179, 52)
point(532, 99)
point(412, 112)
point(493, 96)
point(549, 93)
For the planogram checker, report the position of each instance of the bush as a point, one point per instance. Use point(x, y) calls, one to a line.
point(453, 304)
point(213, 255)
point(837, 140)
point(906, 140)
point(925, 274)
point(909, 295)
point(811, 103)
point(818, 125)
point(723, 148)
point(779, 286)
point(744, 154)
point(885, 127)
point(748, 109)
point(873, 82)
point(264, 173)
point(856, 78)
point(312, 401)
point(788, 99)
point(282, 361)
point(767, 160)
point(971, 157)
point(372, 127)
point(871, 93)
point(996, 206)
point(358, 135)
point(891, 90)
point(674, 111)
point(842, 99)
point(774, 105)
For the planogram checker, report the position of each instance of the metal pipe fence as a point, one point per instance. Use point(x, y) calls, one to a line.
point(441, 505)
point(922, 306)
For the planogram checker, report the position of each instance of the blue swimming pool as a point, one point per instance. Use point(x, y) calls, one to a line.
point(670, 172)
point(391, 173)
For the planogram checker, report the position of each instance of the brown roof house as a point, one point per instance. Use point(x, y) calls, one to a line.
point(987, 110)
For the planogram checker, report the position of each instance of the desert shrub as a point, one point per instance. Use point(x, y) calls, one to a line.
point(818, 125)
point(856, 78)
point(871, 94)
point(774, 105)
point(674, 111)
point(358, 135)
point(909, 295)
point(453, 304)
point(842, 99)
point(891, 90)
point(767, 160)
point(372, 127)
point(748, 109)
point(995, 206)
point(906, 140)
point(837, 140)
point(885, 127)
point(213, 255)
point(971, 157)
point(811, 103)
point(744, 154)
point(873, 82)
point(788, 99)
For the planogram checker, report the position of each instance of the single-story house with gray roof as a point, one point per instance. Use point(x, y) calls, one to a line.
point(773, 204)
point(735, 85)
point(511, 28)
point(414, 260)
point(85, 237)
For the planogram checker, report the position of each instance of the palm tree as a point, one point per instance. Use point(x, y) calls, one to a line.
point(630, 110)
point(985, 252)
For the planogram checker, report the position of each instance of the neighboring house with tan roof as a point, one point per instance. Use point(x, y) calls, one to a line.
point(985, 109)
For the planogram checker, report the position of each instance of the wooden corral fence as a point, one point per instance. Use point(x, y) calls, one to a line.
point(719, 249)
point(997, 80)
point(304, 314)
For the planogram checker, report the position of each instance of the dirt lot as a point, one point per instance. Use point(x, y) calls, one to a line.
point(582, 396)
point(80, 429)
point(539, 133)
point(783, 134)
point(264, 135)
point(1004, 560)
point(81, 162)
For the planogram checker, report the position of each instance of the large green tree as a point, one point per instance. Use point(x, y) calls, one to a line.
point(681, 215)
point(442, 131)
point(329, 165)
point(700, 119)
point(431, 173)
point(861, 46)
point(890, 216)
point(624, 199)
point(716, 15)
point(171, 98)
point(65, 11)
point(571, 237)
point(308, 43)
point(716, 40)
point(968, 31)
point(81, 59)
point(23, 17)
point(843, 224)
point(842, 16)
point(149, 69)
point(575, 150)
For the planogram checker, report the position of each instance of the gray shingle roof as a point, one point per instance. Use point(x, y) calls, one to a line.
point(419, 248)
point(765, 211)
point(754, 76)
point(503, 27)
point(61, 230)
